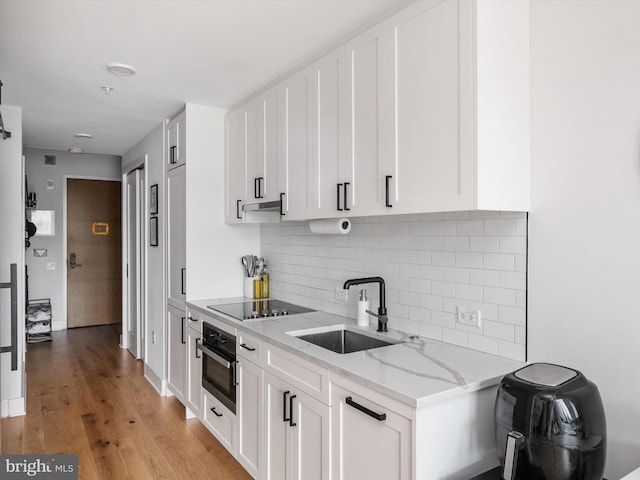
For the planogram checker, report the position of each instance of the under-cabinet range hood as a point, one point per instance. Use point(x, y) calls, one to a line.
point(274, 206)
point(263, 212)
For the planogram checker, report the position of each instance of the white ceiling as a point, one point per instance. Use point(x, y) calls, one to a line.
point(53, 57)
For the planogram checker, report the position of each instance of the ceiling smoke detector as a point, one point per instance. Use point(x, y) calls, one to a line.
point(121, 69)
point(76, 150)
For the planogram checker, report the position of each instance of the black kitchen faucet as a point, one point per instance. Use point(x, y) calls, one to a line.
point(382, 309)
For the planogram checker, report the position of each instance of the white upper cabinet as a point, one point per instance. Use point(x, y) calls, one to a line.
point(365, 122)
point(427, 111)
point(328, 172)
point(176, 141)
point(295, 117)
point(428, 126)
point(235, 164)
point(458, 107)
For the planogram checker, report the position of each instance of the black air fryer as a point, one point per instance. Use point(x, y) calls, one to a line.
point(550, 425)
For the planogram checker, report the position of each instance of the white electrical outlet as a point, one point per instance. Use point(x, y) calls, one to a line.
point(341, 294)
point(469, 316)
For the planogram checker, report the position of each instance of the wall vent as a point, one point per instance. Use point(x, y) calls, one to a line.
point(49, 159)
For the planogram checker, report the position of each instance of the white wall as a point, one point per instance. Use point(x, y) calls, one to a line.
point(584, 242)
point(11, 252)
point(431, 263)
point(153, 147)
point(213, 248)
point(45, 283)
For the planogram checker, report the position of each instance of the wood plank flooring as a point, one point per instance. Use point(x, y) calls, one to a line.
point(86, 396)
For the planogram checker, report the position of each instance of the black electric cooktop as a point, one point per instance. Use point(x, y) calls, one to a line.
point(257, 309)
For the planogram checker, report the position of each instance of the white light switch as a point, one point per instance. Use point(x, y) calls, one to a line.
point(51, 265)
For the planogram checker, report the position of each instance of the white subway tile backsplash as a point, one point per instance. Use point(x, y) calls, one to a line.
point(432, 264)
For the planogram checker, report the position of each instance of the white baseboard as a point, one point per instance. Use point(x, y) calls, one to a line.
point(155, 381)
point(13, 407)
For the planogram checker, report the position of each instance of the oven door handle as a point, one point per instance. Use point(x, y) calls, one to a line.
point(211, 354)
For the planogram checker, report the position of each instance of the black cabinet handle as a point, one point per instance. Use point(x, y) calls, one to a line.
point(291, 422)
point(184, 325)
point(386, 201)
point(255, 187)
point(260, 179)
point(244, 345)
point(12, 285)
point(182, 280)
point(378, 416)
point(196, 342)
point(284, 406)
point(338, 185)
point(172, 154)
point(282, 204)
point(238, 216)
point(192, 319)
point(346, 184)
point(213, 409)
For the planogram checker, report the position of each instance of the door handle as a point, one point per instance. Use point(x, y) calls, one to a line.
point(386, 201)
point(338, 185)
point(72, 261)
point(346, 184)
point(182, 280)
point(13, 286)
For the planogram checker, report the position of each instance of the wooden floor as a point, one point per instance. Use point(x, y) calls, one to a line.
point(88, 397)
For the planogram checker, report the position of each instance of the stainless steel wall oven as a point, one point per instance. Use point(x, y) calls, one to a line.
point(219, 375)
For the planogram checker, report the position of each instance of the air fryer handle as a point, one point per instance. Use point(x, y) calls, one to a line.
point(514, 443)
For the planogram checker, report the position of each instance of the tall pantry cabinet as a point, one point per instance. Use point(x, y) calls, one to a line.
point(176, 255)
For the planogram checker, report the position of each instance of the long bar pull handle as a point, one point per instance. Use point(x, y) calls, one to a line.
point(260, 179)
point(182, 328)
point(386, 201)
point(284, 406)
point(378, 416)
point(13, 347)
point(172, 154)
point(338, 185)
point(291, 422)
point(182, 280)
point(244, 345)
point(346, 184)
point(282, 204)
point(238, 216)
point(256, 189)
point(196, 342)
point(234, 373)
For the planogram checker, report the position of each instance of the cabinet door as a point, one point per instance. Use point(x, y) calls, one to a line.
point(365, 122)
point(193, 387)
point(365, 447)
point(176, 224)
point(251, 140)
point(269, 133)
point(235, 166)
point(220, 421)
point(310, 439)
point(295, 117)
point(176, 141)
point(249, 416)
point(276, 430)
point(327, 176)
point(426, 168)
point(176, 355)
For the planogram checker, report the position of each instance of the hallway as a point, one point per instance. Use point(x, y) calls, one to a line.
point(87, 396)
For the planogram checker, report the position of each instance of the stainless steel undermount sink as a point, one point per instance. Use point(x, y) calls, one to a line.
point(341, 340)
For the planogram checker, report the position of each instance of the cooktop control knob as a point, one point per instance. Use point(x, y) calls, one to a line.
point(285, 312)
point(254, 314)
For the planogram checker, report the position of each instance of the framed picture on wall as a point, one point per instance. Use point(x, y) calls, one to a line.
point(153, 231)
point(153, 199)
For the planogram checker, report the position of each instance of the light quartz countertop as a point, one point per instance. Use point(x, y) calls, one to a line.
point(417, 371)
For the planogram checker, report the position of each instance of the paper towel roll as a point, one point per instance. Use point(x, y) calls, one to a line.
point(330, 226)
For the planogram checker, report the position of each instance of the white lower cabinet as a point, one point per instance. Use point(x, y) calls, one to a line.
point(368, 440)
point(220, 421)
point(296, 433)
point(176, 357)
point(193, 387)
point(249, 409)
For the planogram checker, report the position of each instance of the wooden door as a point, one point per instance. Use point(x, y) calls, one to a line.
point(94, 253)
